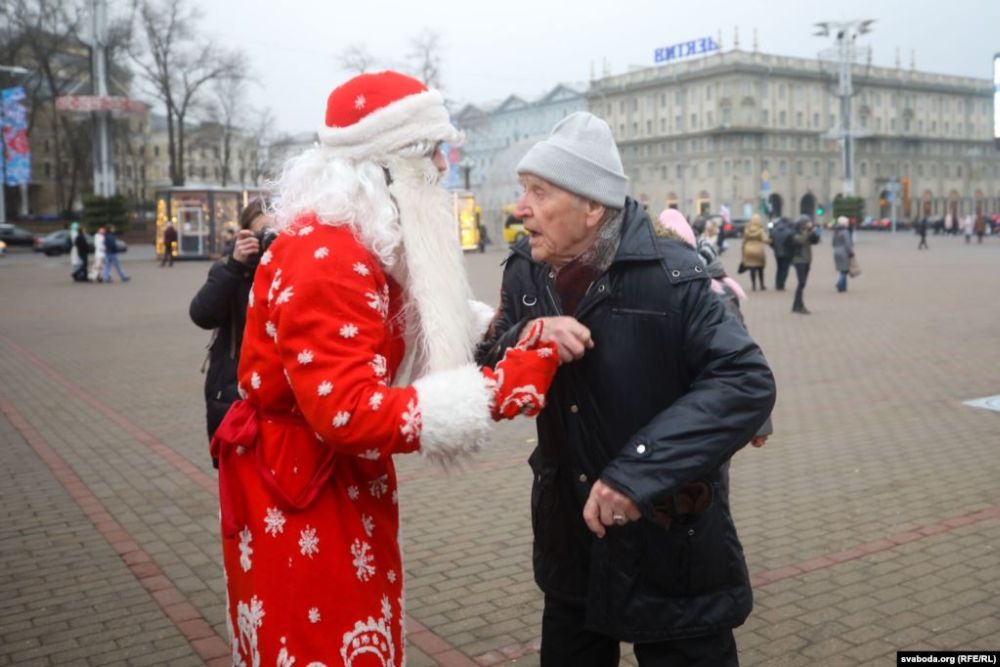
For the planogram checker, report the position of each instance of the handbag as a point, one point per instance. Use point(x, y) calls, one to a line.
point(854, 269)
point(742, 268)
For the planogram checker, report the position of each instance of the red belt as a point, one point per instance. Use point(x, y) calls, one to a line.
point(239, 435)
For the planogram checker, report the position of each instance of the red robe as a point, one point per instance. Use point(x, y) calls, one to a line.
point(309, 506)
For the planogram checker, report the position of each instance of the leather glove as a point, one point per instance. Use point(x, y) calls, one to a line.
point(522, 378)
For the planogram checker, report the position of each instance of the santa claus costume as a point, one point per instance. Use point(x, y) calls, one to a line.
point(358, 346)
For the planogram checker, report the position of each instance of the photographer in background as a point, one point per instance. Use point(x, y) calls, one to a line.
point(221, 304)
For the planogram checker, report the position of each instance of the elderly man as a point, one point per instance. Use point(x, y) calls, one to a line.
point(659, 387)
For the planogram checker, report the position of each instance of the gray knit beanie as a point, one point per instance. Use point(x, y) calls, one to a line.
point(580, 156)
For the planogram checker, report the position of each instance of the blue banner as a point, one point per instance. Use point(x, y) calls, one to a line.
point(16, 151)
point(685, 49)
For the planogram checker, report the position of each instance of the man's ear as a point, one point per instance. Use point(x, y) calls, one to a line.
point(595, 213)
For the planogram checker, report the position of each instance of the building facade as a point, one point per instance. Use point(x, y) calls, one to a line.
point(752, 131)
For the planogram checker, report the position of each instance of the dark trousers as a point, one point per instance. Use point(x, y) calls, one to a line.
point(565, 643)
point(757, 274)
point(782, 275)
point(923, 241)
point(168, 258)
point(802, 275)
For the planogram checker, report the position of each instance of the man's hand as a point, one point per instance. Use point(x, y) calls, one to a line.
point(758, 440)
point(607, 507)
point(246, 246)
point(571, 337)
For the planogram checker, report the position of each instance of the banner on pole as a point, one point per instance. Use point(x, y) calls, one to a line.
point(16, 151)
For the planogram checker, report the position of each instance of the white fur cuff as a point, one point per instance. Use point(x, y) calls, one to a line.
point(482, 316)
point(455, 411)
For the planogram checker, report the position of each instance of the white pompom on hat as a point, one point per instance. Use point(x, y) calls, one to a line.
point(379, 113)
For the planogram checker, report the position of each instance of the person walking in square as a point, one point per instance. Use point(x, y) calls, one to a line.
point(111, 256)
point(784, 250)
point(169, 244)
point(97, 267)
point(82, 254)
point(755, 242)
point(804, 238)
point(843, 251)
point(922, 231)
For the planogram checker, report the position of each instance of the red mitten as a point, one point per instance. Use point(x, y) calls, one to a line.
point(522, 378)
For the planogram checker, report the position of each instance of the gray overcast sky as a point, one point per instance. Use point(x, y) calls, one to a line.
point(527, 46)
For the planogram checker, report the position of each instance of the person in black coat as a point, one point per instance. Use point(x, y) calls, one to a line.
point(221, 304)
point(659, 387)
point(83, 252)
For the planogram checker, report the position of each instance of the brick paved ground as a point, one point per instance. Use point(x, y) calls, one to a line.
point(871, 520)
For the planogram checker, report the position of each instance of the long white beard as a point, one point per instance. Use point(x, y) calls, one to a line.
point(441, 332)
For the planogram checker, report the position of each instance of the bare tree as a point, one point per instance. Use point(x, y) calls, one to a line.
point(257, 160)
point(177, 63)
point(356, 58)
point(228, 110)
point(425, 57)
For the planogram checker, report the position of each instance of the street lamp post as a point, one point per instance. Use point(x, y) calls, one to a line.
point(466, 165)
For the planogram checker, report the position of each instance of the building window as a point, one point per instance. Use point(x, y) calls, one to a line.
point(635, 128)
point(798, 92)
point(781, 91)
point(156, 151)
point(727, 116)
point(679, 96)
point(621, 131)
point(892, 124)
point(708, 92)
point(694, 170)
point(815, 121)
point(864, 168)
point(679, 123)
point(694, 121)
point(635, 104)
point(621, 106)
point(815, 167)
point(711, 119)
point(798, 118)
point(663, 172)
point(663, 126)
point(727, 167)
point(711, 169)
point(663, 99)
point(649, 127)
point(920, 169)
point(764, 120)
point(798, 168)
point(48, 170)
point(747, 167)
point(782, 119)
point(958, 171)
point(680, 171)
point(783, 167)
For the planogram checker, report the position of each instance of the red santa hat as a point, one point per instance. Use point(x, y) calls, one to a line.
point(377, 114)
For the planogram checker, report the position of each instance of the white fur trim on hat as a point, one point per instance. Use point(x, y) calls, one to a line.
point(418, 117)
point(455, 411)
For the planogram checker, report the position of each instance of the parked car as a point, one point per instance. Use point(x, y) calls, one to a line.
point(734, 228)
point(58, 243)
point(13, 235)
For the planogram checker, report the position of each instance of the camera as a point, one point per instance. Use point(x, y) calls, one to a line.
point(265, 237)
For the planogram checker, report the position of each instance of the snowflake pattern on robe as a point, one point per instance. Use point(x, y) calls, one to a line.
point(370, 454)
point(386, 608)
point(308, 542)
point(391, 576)
point(275, 286)
point(412, 422)
point(379, 302)
point(274, 522)
point(245, 549)
point(361, 269)
point(314, 616)
point(348, 331)
point(265, 259)
point(368, 524)
point(364, 568)
point(379, 486)
point(375, 400)
point(324, 388)
point(306, 231)
point(285, 296)
point(353, 493)
point(321, 253)
point(305, 357)
point(341, 419)
point(271, 330)
point(255, 380)
point(248, 619)
point(360, 102)
point(378, 365)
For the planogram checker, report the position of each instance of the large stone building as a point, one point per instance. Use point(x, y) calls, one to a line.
point(743, 129)
point(498, 135)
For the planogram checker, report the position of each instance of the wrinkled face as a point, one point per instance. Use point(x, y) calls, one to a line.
point(560, 224)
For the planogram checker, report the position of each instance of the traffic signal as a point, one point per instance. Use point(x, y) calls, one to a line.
point(819, 210)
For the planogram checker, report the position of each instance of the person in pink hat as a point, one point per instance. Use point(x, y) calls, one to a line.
point(358, 346)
